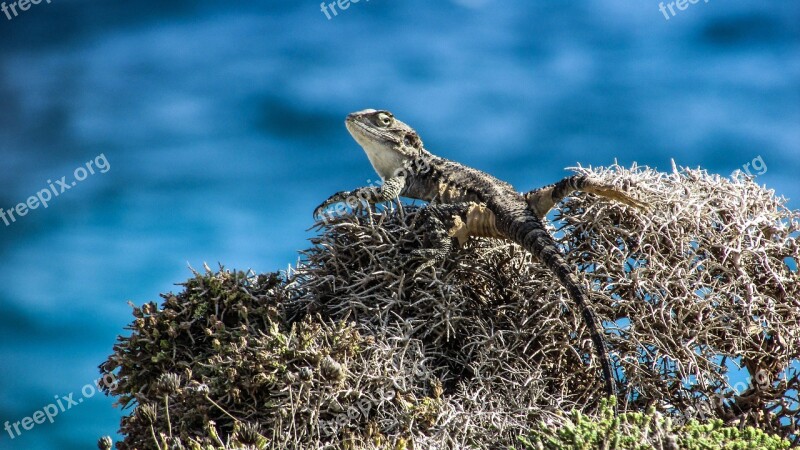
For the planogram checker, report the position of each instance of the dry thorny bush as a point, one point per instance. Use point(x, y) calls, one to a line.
point(353, 351)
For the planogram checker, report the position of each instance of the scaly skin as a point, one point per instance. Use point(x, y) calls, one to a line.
point(467, 202)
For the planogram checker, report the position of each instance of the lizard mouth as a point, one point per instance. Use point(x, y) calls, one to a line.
point(364, 132)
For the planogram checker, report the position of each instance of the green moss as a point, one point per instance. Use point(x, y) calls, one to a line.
point(648, 431)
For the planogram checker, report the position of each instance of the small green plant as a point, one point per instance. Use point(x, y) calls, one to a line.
point(643, 431)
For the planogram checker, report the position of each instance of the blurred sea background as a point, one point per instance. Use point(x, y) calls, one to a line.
point(222, 124)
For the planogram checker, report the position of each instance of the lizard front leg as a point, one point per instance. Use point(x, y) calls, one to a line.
point(370, 195)
point(442, 223)
point(541, 200)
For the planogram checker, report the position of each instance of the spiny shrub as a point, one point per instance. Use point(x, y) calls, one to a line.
point(352, 350)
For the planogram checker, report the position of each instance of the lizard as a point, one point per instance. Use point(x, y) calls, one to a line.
point(465, 202)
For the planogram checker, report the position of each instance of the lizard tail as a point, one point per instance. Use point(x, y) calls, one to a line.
point(538, 241)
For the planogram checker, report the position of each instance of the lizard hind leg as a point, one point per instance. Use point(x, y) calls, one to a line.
point(541, 200)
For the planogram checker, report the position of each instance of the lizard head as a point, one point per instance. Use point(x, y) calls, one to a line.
point(390, 144)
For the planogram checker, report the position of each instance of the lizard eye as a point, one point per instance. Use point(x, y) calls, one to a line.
point(384, 119)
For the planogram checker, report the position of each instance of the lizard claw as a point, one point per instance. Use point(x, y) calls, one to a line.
point(335, 198)
point(428, 256)
point(630, 201)
point(613, 193)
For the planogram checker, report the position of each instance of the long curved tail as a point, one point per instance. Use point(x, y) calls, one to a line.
point(532, 235)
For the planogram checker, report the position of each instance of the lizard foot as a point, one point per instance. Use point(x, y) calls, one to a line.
point(429, 257)
point(345, 198)
point(614, 193)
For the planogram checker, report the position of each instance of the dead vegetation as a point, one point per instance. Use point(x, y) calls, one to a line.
point(349, 350)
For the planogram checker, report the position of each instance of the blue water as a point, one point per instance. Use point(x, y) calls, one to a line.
point(222, 127)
